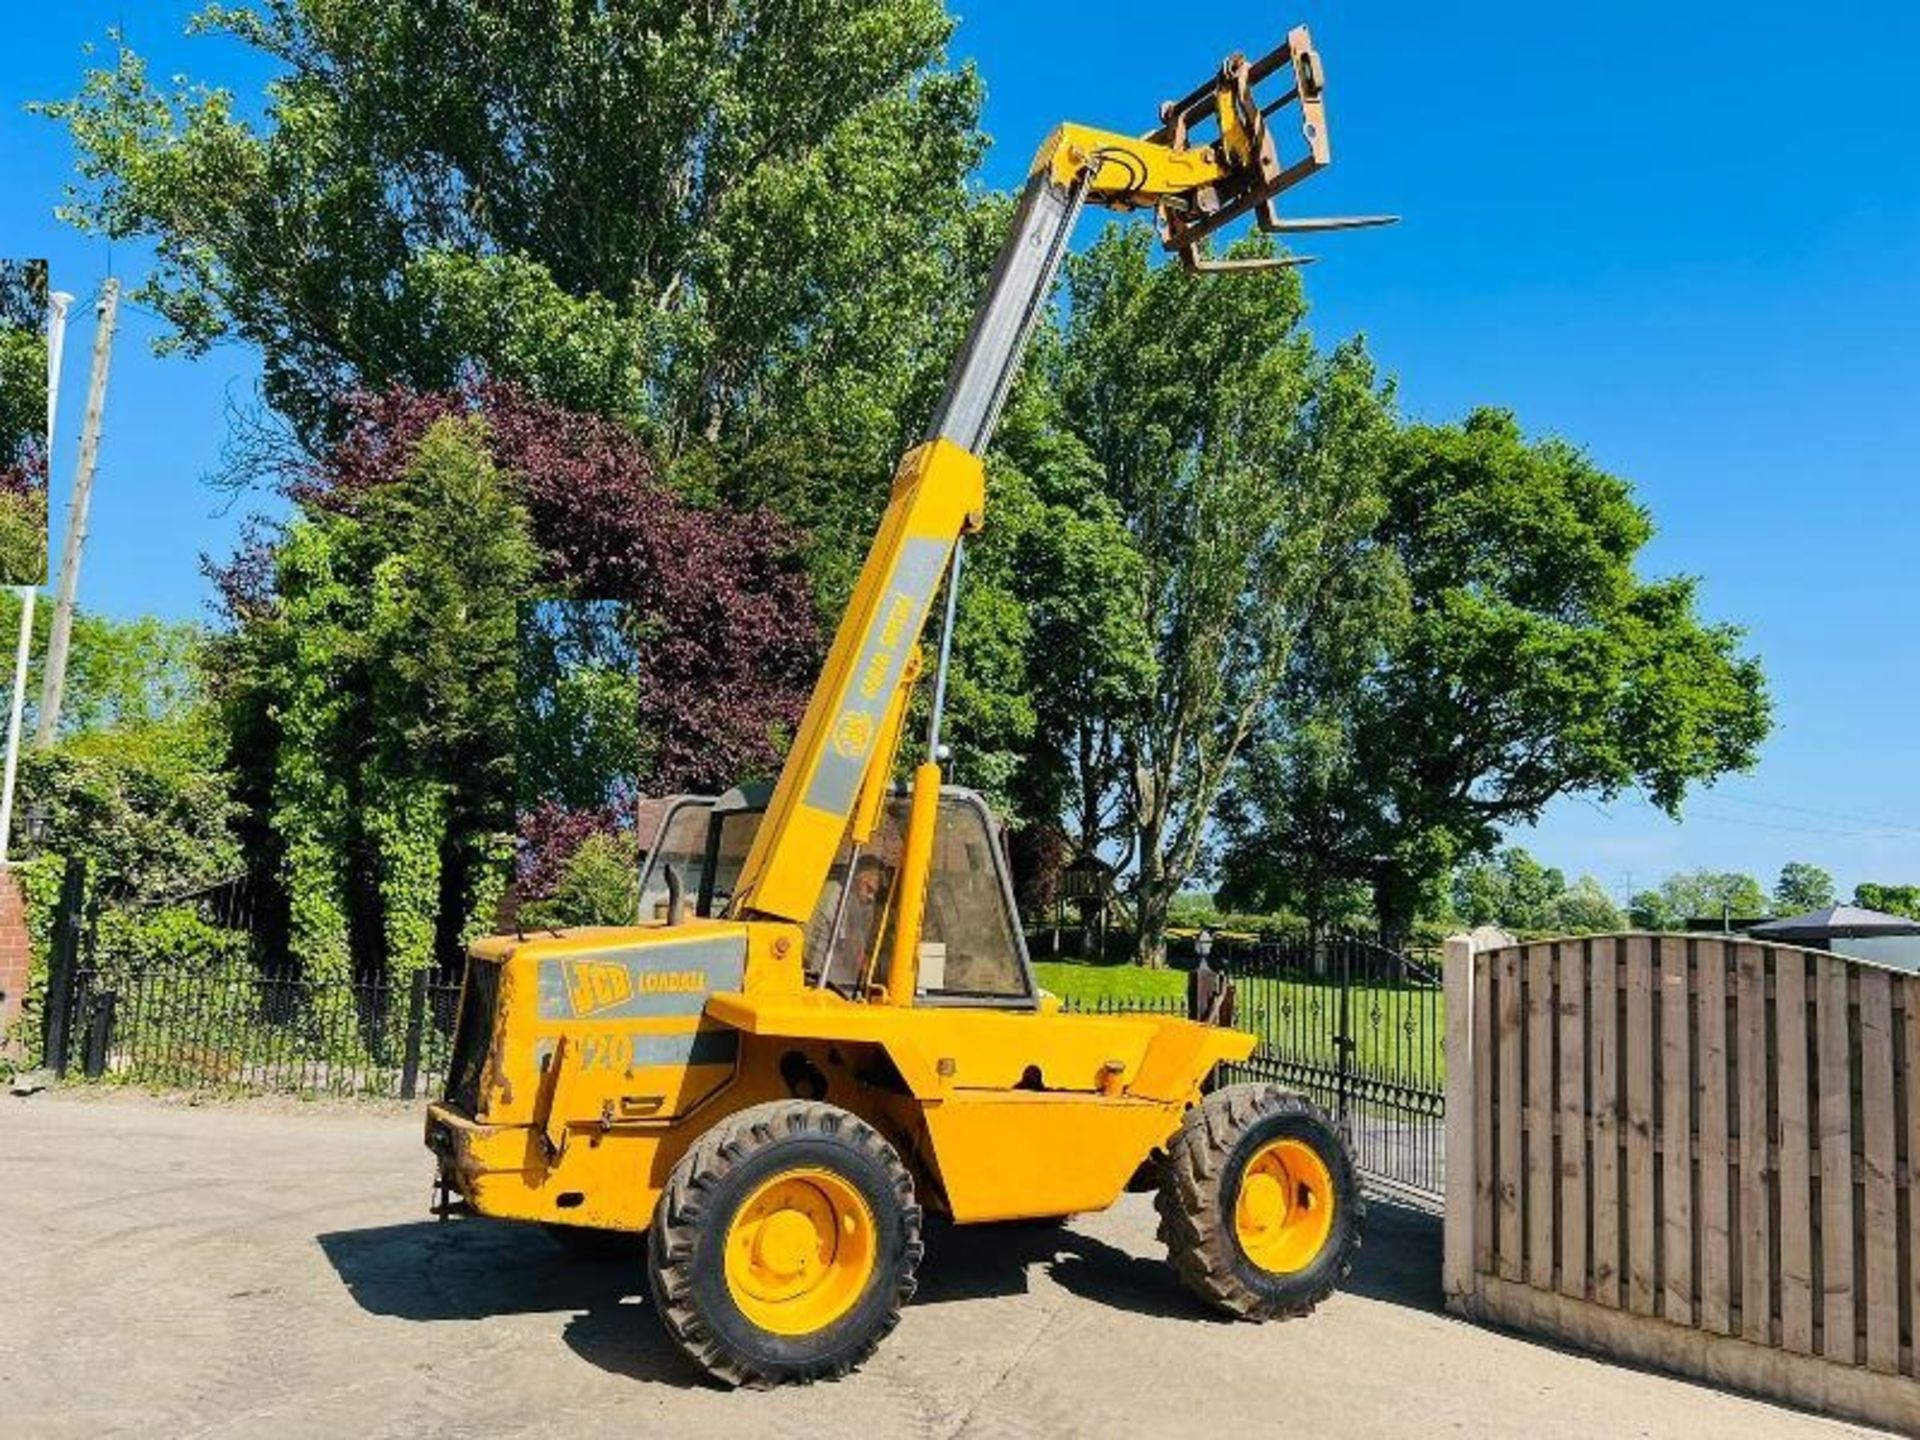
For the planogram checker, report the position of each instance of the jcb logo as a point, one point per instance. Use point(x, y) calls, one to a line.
point(595, 984)
point(853, 735)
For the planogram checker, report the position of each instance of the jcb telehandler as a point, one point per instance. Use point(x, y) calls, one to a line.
point(825, 1020)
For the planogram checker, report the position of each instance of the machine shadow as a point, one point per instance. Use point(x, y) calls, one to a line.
point(475, 1269)
point(1399, 1260)
point(977, 1262)
point(1399, 1264)
point(426, 1270)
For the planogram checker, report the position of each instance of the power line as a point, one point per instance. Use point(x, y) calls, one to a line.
point(1875, 829)
point(1825, 814)
point(1748, 822)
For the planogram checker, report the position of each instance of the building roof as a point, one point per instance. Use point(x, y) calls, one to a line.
point(1845, 921)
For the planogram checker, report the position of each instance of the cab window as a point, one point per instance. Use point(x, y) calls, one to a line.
point(969, 948)
point(849, 923)
point(968, 944)
point(683, 845)
point(729, 838)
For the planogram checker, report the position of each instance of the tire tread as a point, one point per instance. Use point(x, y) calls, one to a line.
point(672, 1240)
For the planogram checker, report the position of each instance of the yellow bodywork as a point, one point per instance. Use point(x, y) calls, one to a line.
point(1124, 171)
point(1002, 1113)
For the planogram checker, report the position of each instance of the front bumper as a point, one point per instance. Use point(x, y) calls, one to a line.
point(459, 1144)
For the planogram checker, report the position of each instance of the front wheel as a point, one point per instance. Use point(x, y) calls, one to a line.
point(784, 1244)
point(1259, 1207)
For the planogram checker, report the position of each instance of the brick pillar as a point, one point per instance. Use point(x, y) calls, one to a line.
point(13, 957)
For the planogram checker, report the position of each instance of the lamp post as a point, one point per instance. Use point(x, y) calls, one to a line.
point(36, 818)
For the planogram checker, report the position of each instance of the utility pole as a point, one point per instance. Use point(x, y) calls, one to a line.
point(53, 687)
point(57, 304)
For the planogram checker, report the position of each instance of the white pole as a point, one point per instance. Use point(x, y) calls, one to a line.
point(20, 657)
point(54, 682)
point(57, 304)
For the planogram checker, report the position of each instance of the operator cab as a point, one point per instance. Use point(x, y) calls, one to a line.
point(971, 952)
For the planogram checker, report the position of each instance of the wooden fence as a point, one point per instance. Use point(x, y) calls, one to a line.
point(1694, 1153)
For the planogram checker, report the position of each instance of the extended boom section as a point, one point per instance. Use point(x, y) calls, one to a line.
point(938, 493)
point(1196, 187)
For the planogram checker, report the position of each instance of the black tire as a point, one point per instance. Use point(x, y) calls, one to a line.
point(686, 1243)
point(1200, 1187)
point(588, 1244)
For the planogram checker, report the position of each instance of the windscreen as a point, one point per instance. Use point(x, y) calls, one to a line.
point(969, 947)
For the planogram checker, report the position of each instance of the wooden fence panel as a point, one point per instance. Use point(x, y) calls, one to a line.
point(1882, 1247)
point(1603, 1014)
point(1539, 1082)
point(1485, 1060)
point(1509, 1117)
point(1676, 1129)
point(1756, 1229)
point(1638, 1049)
point(1573, 1119)
point(1837, 1330)
point(1911, 990)
point(1715, 1224)
point(1792, 1023)
point(1696, 1152)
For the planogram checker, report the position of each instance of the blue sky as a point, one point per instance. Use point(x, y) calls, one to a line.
point(1686, 237)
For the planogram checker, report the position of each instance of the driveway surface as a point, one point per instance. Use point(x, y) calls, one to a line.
point(267, 1268)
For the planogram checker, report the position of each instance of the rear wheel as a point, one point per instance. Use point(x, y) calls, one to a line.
point(784, 1244)
point(1259, 1207)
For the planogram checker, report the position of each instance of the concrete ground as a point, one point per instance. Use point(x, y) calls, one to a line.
point(267, 1268)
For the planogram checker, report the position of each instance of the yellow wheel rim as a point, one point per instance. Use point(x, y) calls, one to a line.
point(800, 1251)
point(1284, 1212)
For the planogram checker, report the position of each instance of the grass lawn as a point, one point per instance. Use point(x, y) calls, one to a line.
point(1396, 1031)
point(1071, 980)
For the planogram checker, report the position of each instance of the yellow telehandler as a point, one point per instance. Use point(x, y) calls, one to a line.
point(825, 1019)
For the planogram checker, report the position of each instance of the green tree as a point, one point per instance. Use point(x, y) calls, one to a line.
point(1533, 662)
point(728, 222)
point(135, 783)
point(1707, 895)
point(1244, 467)
point(577, 741)
point(1802, 887)
point(1584, 908)
point(23, 361)
point(1309, 866)
point(1051, 599)
point(744, 230)
point(23, 421)
point(385, 667)
point(600, 886)
point(1511, 889)
point(577, 199)
point(1892, 899)
point(123, 676)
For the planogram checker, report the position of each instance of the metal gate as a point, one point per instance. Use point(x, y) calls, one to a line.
point(1361, 1028)
point(214, 1011)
